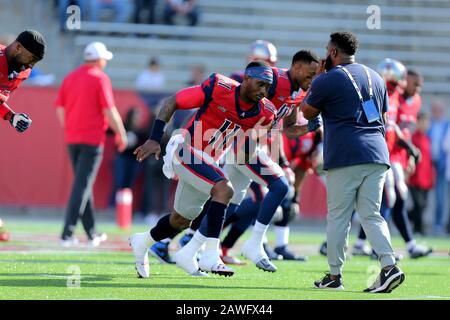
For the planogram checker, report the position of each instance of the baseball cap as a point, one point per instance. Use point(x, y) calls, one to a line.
point(95, 51)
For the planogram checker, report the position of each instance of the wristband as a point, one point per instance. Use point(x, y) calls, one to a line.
point(158, 130)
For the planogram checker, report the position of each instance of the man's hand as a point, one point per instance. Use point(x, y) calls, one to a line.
point(148, 148)
point(314, 124)
point(20, 121)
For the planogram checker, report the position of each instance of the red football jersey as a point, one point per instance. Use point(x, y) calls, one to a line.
point(222, 113)
point(391, 136)
point(299, 150)
point(9, 81)
point(282, 93)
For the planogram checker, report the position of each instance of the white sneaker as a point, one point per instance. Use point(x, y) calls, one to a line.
point(69, 242)
point(255, 252)
point(140, 251)
point(186, 261)
point(98, 239)
point(211, 262)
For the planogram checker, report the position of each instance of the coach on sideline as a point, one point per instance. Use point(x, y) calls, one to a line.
point(352, 100)
point(85, 106)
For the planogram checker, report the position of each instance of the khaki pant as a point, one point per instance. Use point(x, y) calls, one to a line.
point(359, 188)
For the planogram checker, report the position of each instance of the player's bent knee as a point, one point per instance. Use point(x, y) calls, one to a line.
point(280, 186)
point(178, 221)
point(222, 191)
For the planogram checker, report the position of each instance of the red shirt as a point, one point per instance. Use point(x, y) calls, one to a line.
point(298, 151)
point(9, 82)
point(221, 115)
point(423, 177)
point(84, 94)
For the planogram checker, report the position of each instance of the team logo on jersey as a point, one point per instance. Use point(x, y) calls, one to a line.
point(270, 107)
point(223, 83)
point(222, 108)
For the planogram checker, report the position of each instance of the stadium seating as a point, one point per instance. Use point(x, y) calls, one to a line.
point(415, 32)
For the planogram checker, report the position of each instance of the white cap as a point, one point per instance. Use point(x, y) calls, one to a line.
point(95, 51)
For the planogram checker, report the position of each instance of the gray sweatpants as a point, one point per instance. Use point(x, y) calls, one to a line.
point(360, 188)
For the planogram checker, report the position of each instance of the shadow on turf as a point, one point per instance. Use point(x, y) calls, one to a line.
point(87, 282)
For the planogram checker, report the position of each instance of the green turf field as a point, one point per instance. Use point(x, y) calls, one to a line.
point(32, 266)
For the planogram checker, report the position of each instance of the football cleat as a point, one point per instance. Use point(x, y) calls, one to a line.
point(185, 239)
point(361, 251)
point(419, 251)
point(97, 239)
point(186, 261)
point(259, 257)
point(323, 249)
point(140, 251)
point(272, 255)
point(69, 242)
point(160, 251)
point(284, 252)
point(210, 262)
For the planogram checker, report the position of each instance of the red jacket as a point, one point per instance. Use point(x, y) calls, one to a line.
point(424, 175)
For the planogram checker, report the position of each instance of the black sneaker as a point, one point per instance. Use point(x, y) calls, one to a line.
point(289, 255)
point(160, 251)
point(387, 281)
point(328, 283)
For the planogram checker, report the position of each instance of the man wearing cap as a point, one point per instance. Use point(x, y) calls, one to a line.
point(85, 107)
point(16, 62)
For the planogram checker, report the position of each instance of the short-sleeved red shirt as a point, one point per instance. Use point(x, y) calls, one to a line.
point(84, 94)
point(9, 81)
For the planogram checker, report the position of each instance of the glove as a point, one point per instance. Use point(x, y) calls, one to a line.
point(314, 124)
point(20, 121)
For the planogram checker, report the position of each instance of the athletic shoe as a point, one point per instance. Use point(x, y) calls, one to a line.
point(361, 250)
point(328, 283)
point(387, 281)
point(323, 249)
point(69, 242)
point(270, 253)
point(289, 255)
point(97, 239)
point(185, 239)
point(188, 262)
point(140, 251)
point(160, 251)
point(259, 257)
point(419, 251)
point(210, 262)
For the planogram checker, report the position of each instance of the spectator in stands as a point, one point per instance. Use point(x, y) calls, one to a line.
point(186, 8)
point(85, 107)
point(446, 146)
point(422, 180)
point(142, 5)
point(122, 9)
point(197, 75)
point(151, 79)
point(438, 128)
point(126, 168)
